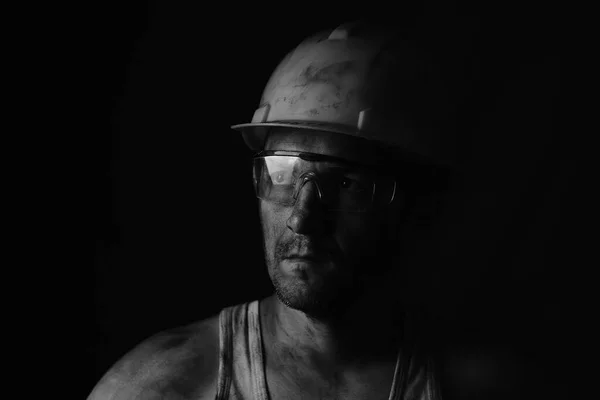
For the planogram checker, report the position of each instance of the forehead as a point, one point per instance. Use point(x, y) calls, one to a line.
point(326, 143)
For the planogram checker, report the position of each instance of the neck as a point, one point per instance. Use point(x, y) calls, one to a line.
point(368, 332)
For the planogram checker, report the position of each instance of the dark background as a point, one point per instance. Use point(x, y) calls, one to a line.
point(166, 215)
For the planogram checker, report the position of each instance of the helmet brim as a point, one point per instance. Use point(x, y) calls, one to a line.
point(254, 134)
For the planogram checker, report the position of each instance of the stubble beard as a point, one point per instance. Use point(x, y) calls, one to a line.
point(326, 297)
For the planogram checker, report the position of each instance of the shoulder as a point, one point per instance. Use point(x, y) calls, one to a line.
point(177, 364)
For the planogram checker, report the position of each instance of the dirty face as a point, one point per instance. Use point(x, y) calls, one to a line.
point(321, 260)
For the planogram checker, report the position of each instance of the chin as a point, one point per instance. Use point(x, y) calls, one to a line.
point(314, 297)
point(299, 298)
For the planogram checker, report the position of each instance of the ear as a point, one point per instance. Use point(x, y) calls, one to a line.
point(410, 215)
point(395, 216)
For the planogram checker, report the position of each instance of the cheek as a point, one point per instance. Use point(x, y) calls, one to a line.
point(273, 225)
point(357, 235)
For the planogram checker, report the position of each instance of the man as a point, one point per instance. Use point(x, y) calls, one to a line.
point(345, 162)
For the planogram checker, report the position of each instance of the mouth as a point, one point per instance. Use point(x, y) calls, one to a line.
point(307, 251)
point(300, 264)
point(303, 262)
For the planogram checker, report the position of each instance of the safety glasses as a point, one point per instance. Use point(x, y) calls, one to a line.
point(279, 176)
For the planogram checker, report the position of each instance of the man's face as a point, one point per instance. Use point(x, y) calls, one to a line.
point(318, 259)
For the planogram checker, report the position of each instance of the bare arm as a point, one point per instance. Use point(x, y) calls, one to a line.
point(175, 365)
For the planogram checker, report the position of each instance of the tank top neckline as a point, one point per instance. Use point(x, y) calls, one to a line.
point(258, 371)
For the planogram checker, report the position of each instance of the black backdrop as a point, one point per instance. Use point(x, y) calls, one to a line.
point(170, 220)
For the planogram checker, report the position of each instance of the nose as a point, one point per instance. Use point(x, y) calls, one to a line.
point(307, 212)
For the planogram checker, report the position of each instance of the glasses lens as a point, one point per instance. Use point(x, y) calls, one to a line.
point(277, 178)
point(347, 190)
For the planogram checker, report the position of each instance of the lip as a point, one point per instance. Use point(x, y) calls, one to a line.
point(306, 256)
point(301, 263)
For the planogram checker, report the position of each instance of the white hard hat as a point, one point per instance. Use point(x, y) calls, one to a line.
point(359, 80)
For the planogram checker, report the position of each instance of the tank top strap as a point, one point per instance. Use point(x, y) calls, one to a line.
point(256, 353)
point(225, 354)
point(417, 367)
point(241, 363)
point(398, 382)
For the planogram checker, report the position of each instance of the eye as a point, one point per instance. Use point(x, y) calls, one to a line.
point(352, 183)
point(346, 182)
point(279, 177)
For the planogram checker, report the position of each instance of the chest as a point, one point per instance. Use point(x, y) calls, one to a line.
point(293, 383)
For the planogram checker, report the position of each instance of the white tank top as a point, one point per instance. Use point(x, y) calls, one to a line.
point(241, 362)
